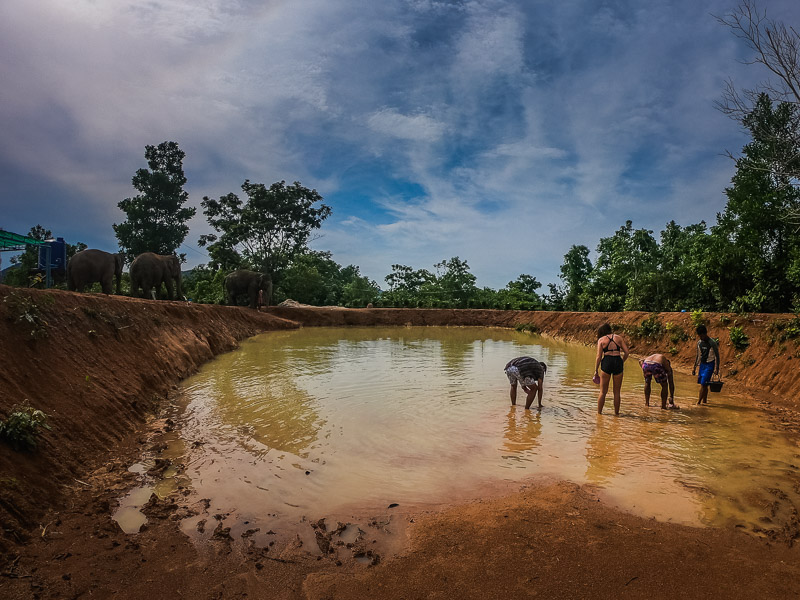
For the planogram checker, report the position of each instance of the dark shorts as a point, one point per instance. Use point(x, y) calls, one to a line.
point(654, 370)
point(705, 372)
point(611, 365)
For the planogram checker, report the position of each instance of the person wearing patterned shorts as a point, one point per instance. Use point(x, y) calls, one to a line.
point(658, 367)
point(529, 373)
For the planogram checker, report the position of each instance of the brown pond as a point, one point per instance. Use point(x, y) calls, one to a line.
point(336, 422)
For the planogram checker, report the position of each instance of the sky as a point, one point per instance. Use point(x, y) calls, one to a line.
point(499, 131)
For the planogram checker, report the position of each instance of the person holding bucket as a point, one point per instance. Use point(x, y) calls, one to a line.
point(706, 360)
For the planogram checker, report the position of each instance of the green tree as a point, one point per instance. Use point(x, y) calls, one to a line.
point(357, 289)
point(267, 231)
point(454, 285)
point(408, 286)
point(521, 294)
point(156, 217)
point(576, 272)
point(312, 278)
point(623, 273)
point(756, 249)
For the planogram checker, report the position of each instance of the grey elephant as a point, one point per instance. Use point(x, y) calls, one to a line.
point(89, 266)
point(250, 283)
point(149, 270)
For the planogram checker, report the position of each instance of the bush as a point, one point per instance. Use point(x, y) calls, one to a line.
point(24, 310)
point(21, 428)
point(697, 318)
point(739, 338)
point(676, 333)
point(529, 327)
point(651, 327)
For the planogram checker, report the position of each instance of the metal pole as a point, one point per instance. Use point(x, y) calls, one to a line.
point(48, 251)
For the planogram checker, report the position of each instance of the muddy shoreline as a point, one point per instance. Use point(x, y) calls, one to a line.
point(106, 365)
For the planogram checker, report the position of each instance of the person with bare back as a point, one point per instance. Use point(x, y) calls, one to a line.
point(658, 367)
point(612, 352)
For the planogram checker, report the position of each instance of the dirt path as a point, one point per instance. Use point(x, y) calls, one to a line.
point(106, 364)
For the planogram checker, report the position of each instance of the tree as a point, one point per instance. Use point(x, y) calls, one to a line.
point(521, 294)
point(575, 273)
point(156, 217)
point(267, 231)
point(454, 282)
point(408, 286)
point(358, 290)
point(755, 247)
point(776, 47)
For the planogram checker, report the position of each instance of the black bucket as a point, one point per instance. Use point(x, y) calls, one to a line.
point(715, 386)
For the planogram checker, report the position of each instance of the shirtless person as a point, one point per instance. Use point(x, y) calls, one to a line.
point(658, 366)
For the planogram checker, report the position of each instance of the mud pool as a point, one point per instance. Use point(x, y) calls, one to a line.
point(322, 422)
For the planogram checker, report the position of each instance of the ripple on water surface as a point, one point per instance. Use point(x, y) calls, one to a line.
point(317, 421)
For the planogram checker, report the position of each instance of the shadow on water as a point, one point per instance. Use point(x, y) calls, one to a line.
point(321, 421)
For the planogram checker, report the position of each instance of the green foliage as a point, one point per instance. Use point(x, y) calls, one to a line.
point(739, 338)
point(24, 310)
point(205, 285)
point(676, 333)
point(649, 328)
point(156, 217)
point(697, 318)
point(22, 427)
point(266, 232)
point(784, 330)
point(527, 327)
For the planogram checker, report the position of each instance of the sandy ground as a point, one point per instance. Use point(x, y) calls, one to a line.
point(106, 365)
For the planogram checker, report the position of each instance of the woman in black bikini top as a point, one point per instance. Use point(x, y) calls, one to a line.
point(610, 364)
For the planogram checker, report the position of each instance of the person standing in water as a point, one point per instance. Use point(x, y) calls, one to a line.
point(529, 373)
point(658, 367)
point(708, 361)
point(612, 352)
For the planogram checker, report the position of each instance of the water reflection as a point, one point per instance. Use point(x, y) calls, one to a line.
point(316, 421)
point(521, 435)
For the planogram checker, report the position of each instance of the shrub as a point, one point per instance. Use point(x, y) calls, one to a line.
point(651, 327)
point(739, 338)
point(697, 318)
point(21, 428)
point(529, 327)
point(24, 309)
point(676, 333)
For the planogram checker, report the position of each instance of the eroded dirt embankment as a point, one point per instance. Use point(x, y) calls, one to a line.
point(98, 366)
point(102, 365)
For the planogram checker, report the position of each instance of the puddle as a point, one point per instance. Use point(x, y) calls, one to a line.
point(338, 422)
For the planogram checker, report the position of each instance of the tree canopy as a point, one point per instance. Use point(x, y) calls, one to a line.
point(265, 232)
point(156, 217)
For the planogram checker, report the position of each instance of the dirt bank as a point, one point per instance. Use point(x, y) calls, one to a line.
point(100, 366)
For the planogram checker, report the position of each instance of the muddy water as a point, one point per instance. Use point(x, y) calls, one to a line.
point(322, 422)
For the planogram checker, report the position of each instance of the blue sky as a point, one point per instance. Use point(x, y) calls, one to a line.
point(498, 131)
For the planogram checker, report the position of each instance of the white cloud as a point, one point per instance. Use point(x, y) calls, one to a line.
point(420, 128)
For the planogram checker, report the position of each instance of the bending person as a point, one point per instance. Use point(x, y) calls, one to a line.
point(529, 373)
point(612, 352)
point(658, 367)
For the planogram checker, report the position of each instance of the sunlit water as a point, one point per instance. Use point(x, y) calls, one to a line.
point(317, 422)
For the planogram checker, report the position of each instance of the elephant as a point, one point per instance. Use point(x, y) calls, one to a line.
point(150, 270)
point(250, 283)
point(88, 266)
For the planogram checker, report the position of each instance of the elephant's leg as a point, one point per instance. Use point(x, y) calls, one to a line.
point(253, 293)
point(231, 298)
point(168, 283)
point(105, 284)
